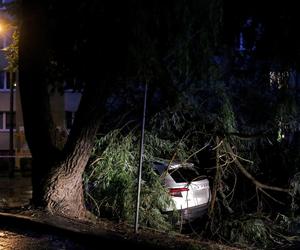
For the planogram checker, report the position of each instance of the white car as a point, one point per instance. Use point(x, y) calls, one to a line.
point(189, 190)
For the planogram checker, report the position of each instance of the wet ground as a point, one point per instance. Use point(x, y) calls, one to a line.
point(16, 191)
point(12, 238)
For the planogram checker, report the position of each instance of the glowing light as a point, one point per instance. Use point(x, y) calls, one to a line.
point(4, 27)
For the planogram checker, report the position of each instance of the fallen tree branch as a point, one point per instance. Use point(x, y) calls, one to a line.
point(257, 183)
point(201, 149)
point(271, 197)
point(250, 136)
point(219, 143)
point(216, 179)
point(241, 158)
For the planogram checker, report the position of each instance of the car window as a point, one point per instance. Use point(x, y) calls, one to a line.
point(183, 174)
point(159, 168)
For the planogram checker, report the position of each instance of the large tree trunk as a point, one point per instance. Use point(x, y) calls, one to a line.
point(57, 183)
point(57, 173)
point(62, 189)
point(62, 185)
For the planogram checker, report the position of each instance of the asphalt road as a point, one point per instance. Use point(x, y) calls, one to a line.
point(12, 238)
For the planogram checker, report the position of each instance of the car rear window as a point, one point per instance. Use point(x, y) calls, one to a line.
point(183, 174)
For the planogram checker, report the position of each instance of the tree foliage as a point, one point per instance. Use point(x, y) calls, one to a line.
point(111, 180)
point(210, 103)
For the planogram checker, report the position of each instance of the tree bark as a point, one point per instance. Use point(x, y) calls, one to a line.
point(63, 187)
point(62, 191)
point(37, 117)
point(57, 173)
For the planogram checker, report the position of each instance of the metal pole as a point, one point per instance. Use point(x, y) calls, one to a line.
point(141, 162)
point(11, 128)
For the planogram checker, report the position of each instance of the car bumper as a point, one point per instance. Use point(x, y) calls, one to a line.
point(193, 213)
point(189, 214)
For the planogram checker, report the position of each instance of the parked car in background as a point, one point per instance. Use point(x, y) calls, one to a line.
point(188, 189)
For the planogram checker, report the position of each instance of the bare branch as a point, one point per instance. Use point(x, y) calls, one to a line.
point(271, 197)
point(241, 158)
point(249, 176)
point(247, 136)
point(218, 145)
point(201, 149)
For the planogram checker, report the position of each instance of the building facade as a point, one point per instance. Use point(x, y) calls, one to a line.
point(63, 106)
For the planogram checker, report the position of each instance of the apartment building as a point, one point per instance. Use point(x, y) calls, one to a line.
point(63, 106)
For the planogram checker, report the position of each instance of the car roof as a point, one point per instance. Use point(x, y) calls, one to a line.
point(172, 165)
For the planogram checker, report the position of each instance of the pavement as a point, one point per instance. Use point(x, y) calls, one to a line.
point(16, 192)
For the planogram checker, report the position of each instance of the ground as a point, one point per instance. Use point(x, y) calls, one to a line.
point(15, 194)
point(109, 231)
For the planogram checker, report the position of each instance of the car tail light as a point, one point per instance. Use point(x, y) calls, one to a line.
point(176, 192)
